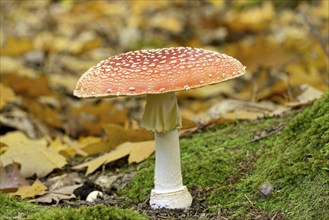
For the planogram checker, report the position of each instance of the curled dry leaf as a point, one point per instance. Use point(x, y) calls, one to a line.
point(33, 155)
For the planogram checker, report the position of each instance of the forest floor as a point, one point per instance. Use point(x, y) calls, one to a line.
point(273, 168)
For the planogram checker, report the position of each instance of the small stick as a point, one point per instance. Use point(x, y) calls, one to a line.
point(273, 218)
point(248, 199)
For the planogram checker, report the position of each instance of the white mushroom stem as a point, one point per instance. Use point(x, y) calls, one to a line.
point(162, 115)
point(168, 177)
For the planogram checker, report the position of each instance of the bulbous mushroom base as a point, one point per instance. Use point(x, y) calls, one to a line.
point(181, 199)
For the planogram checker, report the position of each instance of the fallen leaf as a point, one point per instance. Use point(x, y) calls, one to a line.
point(9, 64)
point(207, 91)
point(168, 22)
point(309, 94)
point(19, 119)
point(33, 155)
point(7, 95)
point(64, 193)
point(14, 47)
point(137, 152)
point(96, 148)
point(27, 86)
point(235, 109)
point(66, 179)
point(62, 148)
point(44, 112)
point(117, 135)
point(301, 73)
point(87, 146)
point(37, 188)
point(250, 19)
point(243, 115)
point(93, 116)
point(261, 52)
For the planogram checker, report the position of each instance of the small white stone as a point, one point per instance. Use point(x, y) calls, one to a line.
point(94, 195)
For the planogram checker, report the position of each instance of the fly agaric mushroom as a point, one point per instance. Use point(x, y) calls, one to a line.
point(159, 73)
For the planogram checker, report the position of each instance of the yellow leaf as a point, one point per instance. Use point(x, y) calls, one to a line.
point(243, 115)
point(44, 112)
point(9, 65)
point(303, 74)
point(92, 145)
point(169, 22)
point(262, 52)
point(251, 19)
point(33, 155)
point(7, 95)
point(14, 47)
point(30, 191)
point(62, 148)
point(137, 152)
point(27, 86)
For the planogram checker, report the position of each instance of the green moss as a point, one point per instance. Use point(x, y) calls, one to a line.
point(232, 162)
point(86, 213)
point(12, 208)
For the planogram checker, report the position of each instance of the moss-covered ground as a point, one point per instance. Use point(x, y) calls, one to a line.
point(227, 166)
point(14, 209)
point(232, 163)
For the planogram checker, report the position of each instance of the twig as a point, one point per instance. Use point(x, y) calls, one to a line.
point(248, 199)
point(274, 216)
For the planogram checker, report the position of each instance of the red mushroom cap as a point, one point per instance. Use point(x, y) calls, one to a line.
point(157, 71)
